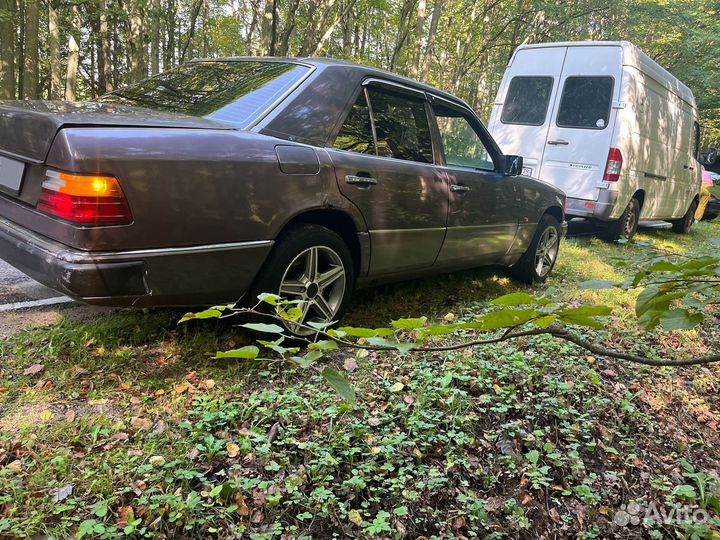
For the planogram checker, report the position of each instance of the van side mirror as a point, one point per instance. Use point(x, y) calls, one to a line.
point(512, 165)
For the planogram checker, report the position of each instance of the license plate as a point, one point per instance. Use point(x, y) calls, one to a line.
point(11, 175)
point(527, 171)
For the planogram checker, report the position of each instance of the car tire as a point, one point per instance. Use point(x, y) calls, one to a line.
point(627, 225)
point(539, 259)
point(685, 223)
point(291, 273)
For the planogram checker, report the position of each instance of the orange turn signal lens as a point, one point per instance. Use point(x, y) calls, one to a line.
point(83, 185)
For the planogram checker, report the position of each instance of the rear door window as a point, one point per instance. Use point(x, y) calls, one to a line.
point(585, 102)
point(401, 126)
point(527, 101)
point(356, 134)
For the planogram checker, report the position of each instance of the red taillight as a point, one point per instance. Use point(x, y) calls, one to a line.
point(614, 165)
point(84, 199)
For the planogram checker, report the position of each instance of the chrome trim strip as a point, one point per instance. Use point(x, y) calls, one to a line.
point(655, 176)
point(21, 158)
point(396, 231)
point(189, 249)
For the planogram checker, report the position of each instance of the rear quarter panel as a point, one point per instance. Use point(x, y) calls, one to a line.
point(190, 186)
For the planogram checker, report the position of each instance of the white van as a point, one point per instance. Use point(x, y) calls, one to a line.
point(607, 125)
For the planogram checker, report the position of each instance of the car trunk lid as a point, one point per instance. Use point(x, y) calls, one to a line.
point(27, 128)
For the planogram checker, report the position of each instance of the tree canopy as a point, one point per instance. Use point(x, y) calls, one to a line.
point(79, 50)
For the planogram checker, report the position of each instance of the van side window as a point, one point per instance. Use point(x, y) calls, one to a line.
point(356, 132)
point(463, 147)
point(527, 101)
point(696, 140)
point(585, 102)
point(401, 126)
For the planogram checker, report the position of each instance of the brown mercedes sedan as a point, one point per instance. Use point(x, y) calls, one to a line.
point(225, 178)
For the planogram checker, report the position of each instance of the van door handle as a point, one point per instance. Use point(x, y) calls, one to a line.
point(459, 188)
point(558, 142)
point(360, 181)
point(688, 167)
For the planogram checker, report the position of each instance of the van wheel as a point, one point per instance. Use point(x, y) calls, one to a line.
point(627, 225)
point(312, 265)
point(685, 223)
point(537, 262)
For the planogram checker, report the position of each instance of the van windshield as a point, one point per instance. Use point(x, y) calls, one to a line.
point(585, 102)
point(527, 101)
point(234, 92)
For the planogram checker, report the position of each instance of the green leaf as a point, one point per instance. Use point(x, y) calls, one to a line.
point(384, 332)
point(663, 266)
point(403, 347)
point(356, 332)
point(268, 298)
point(597, 284)
point(262, 327)
point(544, 322)
point(583, 315)
point(533, 456)
point(212, 313)
point(339, 383)
point(680, 319)
point(323, 345)
point(515, 299)
point(308, 360)
point(409, 324)
point(293, 314)
point(248, 352)
point(275, 346)
point(655, 299)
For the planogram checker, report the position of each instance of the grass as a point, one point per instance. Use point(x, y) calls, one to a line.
point(129, 427)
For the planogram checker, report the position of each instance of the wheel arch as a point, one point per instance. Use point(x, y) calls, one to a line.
point(556, 212)
point(337, 221)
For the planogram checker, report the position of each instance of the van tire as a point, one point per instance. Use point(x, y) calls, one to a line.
point(685, 223)
point(627, 225)
point(526, 269)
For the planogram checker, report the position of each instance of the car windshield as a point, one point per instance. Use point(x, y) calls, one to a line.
point(234, 92)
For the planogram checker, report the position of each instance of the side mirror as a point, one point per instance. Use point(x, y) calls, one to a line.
point(512, 165)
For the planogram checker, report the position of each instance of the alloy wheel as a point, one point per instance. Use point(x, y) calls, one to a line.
point(316, 280)
point(630, 222)
point(547, 251)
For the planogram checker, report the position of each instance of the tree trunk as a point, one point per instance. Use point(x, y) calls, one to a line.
point(19, 23)
point(56, 84)
point(419, 28)
point(288, 29)
point(155, 39)
point(104, 64)
point(430, 45)
point(266, 28)
point(32, 24)
point(136, 41)
point(191, 31)
point(170, 46)
point(332, 27)
point(7, 51)
point(73, 56)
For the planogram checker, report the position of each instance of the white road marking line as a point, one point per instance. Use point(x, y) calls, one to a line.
point(35, 303)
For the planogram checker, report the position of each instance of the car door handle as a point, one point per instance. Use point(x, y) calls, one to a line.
point(458, 188)
point(360, 181)
point(558, 142)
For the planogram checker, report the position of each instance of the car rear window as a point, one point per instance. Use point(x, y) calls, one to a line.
point(527, 101)
point(585, 102)
point(234, 92)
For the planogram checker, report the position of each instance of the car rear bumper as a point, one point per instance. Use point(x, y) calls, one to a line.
point(601, 209)
point(185, 276)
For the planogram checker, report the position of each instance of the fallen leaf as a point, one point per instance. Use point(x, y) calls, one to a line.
point(449, 317)
point(47, 415)
point(232, 449)
point(374, 421)
point(350, 364)
point(62, 493)
point(14, 466)
point(97, 401)
point(409, 400)
point(555, 515)
point(157, 461)
point(355, 517)
point(125, 515)
point(397, 387)
point(242, 507)
point(34, 369)
point(207, 384)
point(159, 428)
point(140, 423)
point(272, 435)
point(70, 416)
point(182, 388)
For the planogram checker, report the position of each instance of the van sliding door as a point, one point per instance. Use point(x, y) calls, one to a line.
point(583, 119)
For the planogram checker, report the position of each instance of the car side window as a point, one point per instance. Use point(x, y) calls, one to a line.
point(401, 126)
point(463, 147)
point(585, 102)
point(356, 133)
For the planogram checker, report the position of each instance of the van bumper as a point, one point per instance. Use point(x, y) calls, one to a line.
point(602, 209)
point(185, 276)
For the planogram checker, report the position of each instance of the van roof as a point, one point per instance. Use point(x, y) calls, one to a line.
point(632, 56)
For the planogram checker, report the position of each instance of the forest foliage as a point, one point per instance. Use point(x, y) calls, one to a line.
point(80, 50)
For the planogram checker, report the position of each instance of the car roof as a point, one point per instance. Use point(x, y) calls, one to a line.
point(322, 62)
